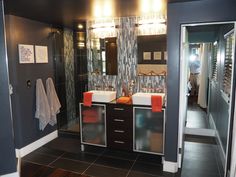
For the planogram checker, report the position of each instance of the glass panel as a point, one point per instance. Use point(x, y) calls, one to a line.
point(93, 125)
point(149, 131)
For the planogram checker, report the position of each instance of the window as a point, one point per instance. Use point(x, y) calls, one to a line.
point(229, 42)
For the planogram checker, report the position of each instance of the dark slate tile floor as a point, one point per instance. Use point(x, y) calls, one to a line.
point(196, 117)
point(56, 160)
point(201, 160)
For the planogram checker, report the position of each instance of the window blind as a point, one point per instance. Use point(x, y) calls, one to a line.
point(214, 62)
point(229, 41)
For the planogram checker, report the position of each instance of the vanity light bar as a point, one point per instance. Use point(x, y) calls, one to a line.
point(104, 27)
point(150, 23)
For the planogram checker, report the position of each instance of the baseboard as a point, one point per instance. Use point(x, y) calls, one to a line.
point(16, 174)
point(200, 131)
point(218, 141)
point(171, 167)
point(180, 160)
point(35, 145)
point(212, 122)
point(220, 149)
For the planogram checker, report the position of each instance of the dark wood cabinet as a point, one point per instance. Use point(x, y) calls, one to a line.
point(119, 126)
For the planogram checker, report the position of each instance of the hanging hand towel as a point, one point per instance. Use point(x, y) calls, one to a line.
point(156, 103)
point(87, 100)
point(53, 101)
point(42, 106)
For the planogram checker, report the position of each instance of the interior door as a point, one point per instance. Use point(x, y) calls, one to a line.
point(183, 100)
point(231, 142)
point(232, 164)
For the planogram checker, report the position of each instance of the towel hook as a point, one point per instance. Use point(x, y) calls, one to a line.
point(28, 83)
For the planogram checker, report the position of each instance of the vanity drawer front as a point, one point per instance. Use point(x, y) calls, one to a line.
point(115, 124)
point(119, 141)
point(119, 110)
point(120, 129)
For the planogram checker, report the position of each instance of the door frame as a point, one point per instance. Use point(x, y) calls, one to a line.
point(230, 130)
point(8, 164)
point(230, 160)
point(182, 96)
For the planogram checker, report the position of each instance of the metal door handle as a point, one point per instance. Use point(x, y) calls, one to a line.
point(119, 142)
point(118, 120)
point(119, 131)
point(119, 109)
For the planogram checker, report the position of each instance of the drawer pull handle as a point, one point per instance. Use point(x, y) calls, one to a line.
point(119, 142)
point(119, 109)
point(118, 120)
point(119, 131)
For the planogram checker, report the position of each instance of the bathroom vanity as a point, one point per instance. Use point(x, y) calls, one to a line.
point(123, 126)
point(120, 126)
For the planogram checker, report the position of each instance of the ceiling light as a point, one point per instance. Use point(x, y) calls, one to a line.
point(80, 26)
point(103, 8)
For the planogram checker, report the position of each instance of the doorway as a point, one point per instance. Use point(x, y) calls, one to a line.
point(206, 84)
point(200, 53)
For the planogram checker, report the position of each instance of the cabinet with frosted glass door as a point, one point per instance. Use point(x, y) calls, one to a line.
point(149, 130)
point(93, 125)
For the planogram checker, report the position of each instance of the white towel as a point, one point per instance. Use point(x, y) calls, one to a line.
point(42, 106)
point(53, 101)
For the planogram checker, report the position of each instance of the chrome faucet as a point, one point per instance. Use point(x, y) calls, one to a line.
point(131, 89)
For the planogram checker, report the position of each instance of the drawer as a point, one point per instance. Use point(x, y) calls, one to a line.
point(120, 132)
point(124, 125)
point(119, 110)
point(117, 141)
point(119, 120)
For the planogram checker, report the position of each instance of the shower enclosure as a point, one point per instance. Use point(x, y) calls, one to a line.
point(70, 61)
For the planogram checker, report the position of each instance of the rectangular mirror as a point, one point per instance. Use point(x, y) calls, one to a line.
point(152, 54)
point(104, 55)
point(152, 49)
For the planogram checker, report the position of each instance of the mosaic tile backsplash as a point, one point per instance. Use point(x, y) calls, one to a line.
point(69, 73)
point(127, 63)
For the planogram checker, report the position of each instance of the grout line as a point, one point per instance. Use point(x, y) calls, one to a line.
point(75, 160)
point(55, 160)
point(28, 161)
point(46, 154)
point(93, 162)
point(43, 165)
point(116, 168)
point(132, 166)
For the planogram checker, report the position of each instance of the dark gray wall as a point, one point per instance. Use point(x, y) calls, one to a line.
point(199, 37)
point(7, 147)
point(218, 106)
point(184, 13)
point(24, 31)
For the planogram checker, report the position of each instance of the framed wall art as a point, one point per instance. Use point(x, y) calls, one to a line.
point(41, 54)
point(26, 53)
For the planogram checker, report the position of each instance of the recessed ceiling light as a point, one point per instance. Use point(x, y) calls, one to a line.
point(80, 26)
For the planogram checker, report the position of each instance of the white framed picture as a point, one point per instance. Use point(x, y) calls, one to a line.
point(157, 55)
point(26, 53)
point(146, 55)
point(41, 54)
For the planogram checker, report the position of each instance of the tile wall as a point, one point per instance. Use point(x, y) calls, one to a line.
point(127, 62)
